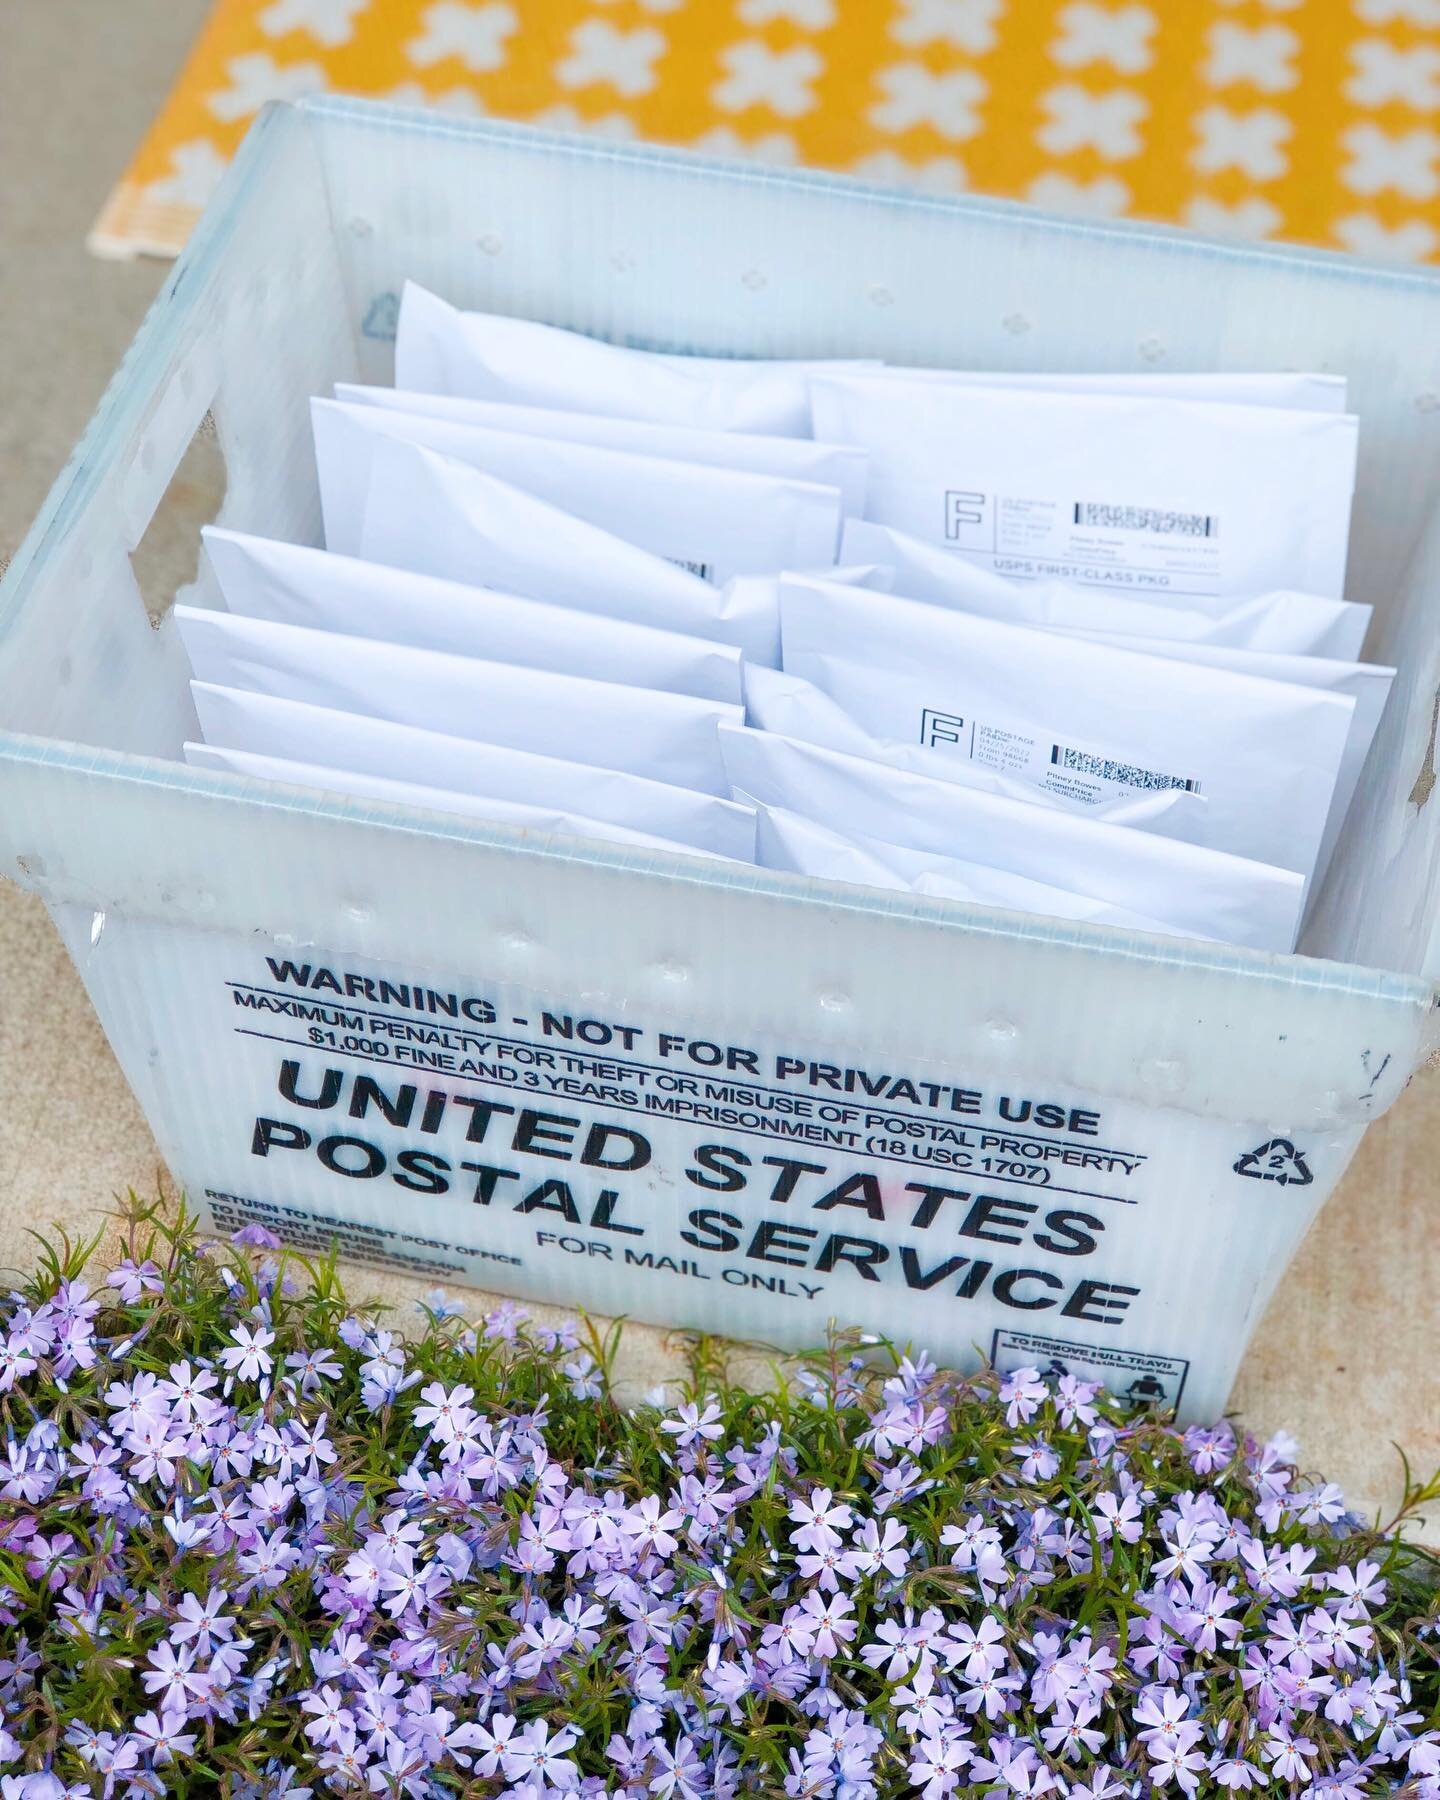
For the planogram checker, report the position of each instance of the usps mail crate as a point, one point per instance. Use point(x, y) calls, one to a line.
point(698, 1094)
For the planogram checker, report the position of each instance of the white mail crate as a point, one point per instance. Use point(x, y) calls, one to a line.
point(699, 1094)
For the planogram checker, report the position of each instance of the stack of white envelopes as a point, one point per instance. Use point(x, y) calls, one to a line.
point(1069, 645)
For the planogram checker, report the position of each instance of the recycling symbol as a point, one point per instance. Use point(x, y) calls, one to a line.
point(1277, 1161)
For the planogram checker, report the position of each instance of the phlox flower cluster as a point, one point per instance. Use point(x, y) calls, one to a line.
point(254, 1544)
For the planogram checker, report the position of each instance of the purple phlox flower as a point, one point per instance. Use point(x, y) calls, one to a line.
point(875, 1547)
point(395, 1534)
point(1203, 1616)
point(28, 1474)
point(491, 1459)
point(345, 1765)
point(629, 1757)
point(1118, 1516)
point(1286, 1755)
point(32, 1331)
point(1209, 1447)
point(344, 1655)
point(705, 1502)
point(1359, 1586)
point(1273, 1684)
point(1045, 1688)
point(49, 1559)
point(503, 1324)
point(1319, 1505)
point(186, 1390)
point(254, 1237)
point(1233, 1535)
point(15, 1363)
point(691, 1426)
point(133, 1402)
point(162, 1735)
point(790, 1639)
point(899, 1646)
point(1073, 1399)
point(826, 1568)
point(831, 1622)
point(727, 1683)
point(975, 1545)
point(1197, 1509)
point(1086, 1668)
point(1335, 1638)
point(912, 1374)
point(1177, 1762)
point(436, 1301)
point(1071, 1545)
point(937, 1764)
point(1072, 1735)
point(87, 1741)
point(171, 1675)
point(153, 1452)
point(538, 1756)
point(1279, 1572)
point(268, 1560)
point(819, 1520)
point(331, 1721)
point(548, 1638)
point(383, 1378)
point(1190, 1549)
point(844, 1746)
point(1236, 1773)
point(410, 1587)
point(356, 1335)
point(71, 1304)
point(582, 1373)
point(446, 1413)
point(650, 1526)
point(1038, 1462)
point(898, 1484)
point(1022, 1393)
point(1101, 1783)
point(1016, 1766)
point(269, 1501)
point(992, 1694)
point(1164, 1718)
point(41, 1784)
point(1423, 1755)
point(308, 1368)
point(979, 1647)
point(680, 1774)
point(920, 1709)
point(563, 1337)
point(131, 1279)
point(248, 1358)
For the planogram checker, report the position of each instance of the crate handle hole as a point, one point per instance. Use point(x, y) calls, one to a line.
point(167, 558)
point(1425, 780)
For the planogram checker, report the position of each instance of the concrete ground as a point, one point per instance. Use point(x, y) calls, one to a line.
point(1346, 1355)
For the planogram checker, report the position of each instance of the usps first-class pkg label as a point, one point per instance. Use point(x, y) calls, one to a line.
point(1087, 539)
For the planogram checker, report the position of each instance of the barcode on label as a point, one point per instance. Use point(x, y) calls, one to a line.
point(703, 569)
point(1146, 518)
point(1126, 774)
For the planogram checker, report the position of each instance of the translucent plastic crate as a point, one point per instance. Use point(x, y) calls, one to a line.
point(705, 1095)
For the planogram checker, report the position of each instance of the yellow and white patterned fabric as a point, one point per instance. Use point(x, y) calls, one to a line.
point(1302, 119)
